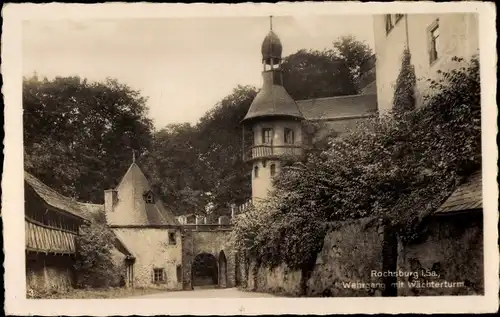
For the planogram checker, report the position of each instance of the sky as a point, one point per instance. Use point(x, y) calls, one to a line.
point(184, 66)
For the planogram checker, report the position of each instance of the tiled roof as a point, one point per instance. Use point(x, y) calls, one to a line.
point(338, 107)
point(466, 197)
point(273, 100)
point(56, 200)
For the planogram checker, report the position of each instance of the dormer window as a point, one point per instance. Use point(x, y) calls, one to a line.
point(149, 198)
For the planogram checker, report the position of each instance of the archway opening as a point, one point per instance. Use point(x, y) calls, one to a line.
point(205, 270)
point(222, 270)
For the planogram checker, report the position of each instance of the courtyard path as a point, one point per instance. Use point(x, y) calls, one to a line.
point(207, 293)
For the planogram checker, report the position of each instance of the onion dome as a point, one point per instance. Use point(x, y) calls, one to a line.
point(271, 49)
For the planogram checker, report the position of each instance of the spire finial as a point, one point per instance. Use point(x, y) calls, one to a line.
point(133, 156)
point(271, 22)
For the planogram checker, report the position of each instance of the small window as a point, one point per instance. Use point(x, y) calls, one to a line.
point(267, 135)
point(388, 23)
point(399, 17)
point(158, 275)
point(434, 41)
point(171, 238)
point(179, 273)
point(256, 172)
point(289, 136)
point(150, 199)
point(273, 169)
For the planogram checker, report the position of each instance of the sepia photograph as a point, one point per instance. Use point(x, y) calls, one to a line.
point(267, 156)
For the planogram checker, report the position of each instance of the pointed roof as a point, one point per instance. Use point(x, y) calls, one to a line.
point(273, 100)
point(132, 208)
point(56, 200)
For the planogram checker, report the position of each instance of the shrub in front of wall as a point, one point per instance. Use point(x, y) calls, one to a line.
point(94, 266)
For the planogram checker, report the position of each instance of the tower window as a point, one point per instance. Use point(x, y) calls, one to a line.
point(289, 136)
point(158, 275)
point(256, 172)
point(267, 135)
point(388, 23)
point(171, 238)
point(434, 42)
point(273, 169)
point(149, 198)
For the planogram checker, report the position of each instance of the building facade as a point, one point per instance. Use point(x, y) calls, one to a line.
point(162, 252)
point(432, 39)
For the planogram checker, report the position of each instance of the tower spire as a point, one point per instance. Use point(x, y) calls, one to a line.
point(271, 22)
point(133, 156)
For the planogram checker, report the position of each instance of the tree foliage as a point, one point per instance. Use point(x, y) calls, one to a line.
point(94, 264)
point(398, 170)
point(355, 54)
point(192, 166)
point(88, 130)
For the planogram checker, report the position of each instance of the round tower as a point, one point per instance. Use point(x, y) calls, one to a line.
point(274, 120)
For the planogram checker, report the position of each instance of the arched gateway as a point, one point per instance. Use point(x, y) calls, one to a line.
point(204, 270)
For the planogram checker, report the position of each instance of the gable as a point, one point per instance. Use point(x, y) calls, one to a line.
point(132, 208)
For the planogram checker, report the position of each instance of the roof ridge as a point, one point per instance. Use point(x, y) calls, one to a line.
point(334, 97)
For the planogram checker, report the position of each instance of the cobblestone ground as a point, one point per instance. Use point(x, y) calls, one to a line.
point(207, 293)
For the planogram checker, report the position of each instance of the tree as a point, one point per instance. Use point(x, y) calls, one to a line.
point(355, 55)
point(193, 166)
point(316, 74)
point(404, 94)
point(94, 262)
point(87, 129)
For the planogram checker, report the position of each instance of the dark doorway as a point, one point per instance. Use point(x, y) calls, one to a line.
point(204, 270)
point(222, 270)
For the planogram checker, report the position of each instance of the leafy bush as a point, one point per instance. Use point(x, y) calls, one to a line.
point(94, 266)
point(399, 170)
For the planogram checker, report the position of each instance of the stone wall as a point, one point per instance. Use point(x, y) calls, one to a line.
point(280, 280)
point(351, 251)
point(452, 247)
point(49, 272)
point(152, 249)
point(357, 254)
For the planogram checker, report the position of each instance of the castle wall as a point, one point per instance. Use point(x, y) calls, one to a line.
point(452, 247)
point(458, 37)
point(351, 251)
point(213, 242)
point(152, 249)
